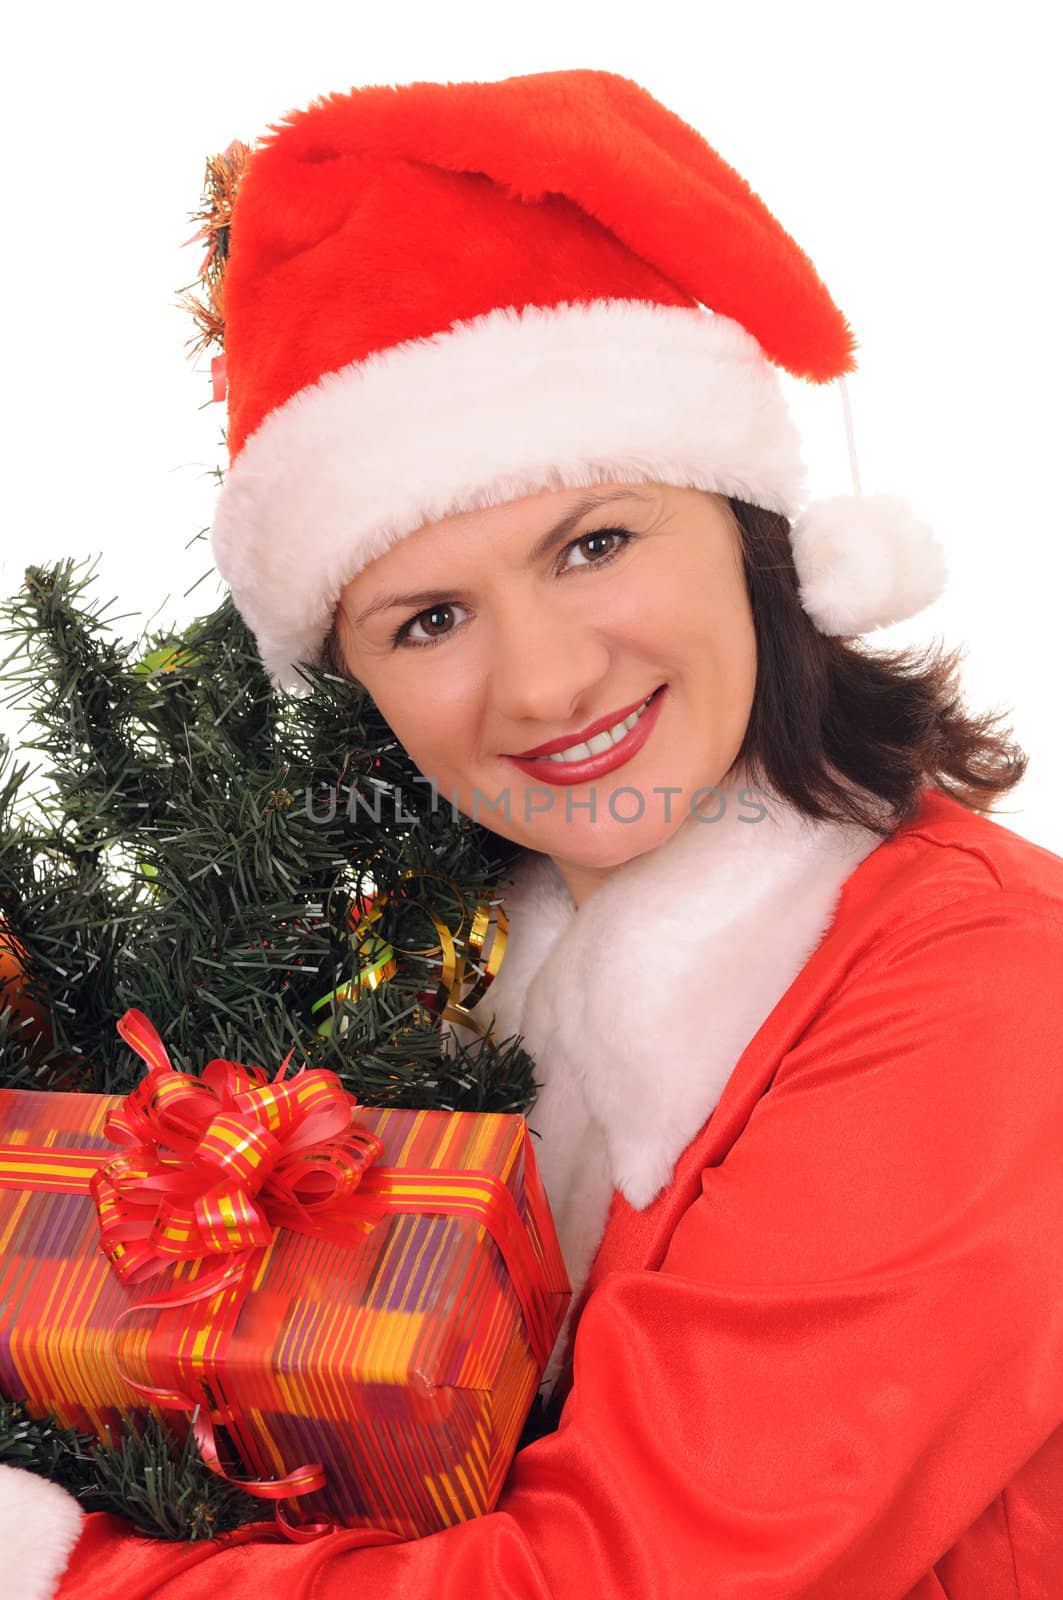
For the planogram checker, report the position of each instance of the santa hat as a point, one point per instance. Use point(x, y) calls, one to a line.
point(443, 296)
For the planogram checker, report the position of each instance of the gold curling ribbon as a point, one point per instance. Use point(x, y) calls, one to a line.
point(457, 960)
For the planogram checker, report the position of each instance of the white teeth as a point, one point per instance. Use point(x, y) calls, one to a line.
point(601, 741)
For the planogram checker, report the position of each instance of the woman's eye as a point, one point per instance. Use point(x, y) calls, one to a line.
point(403, 635)
point(599, 534)
point(614, 539)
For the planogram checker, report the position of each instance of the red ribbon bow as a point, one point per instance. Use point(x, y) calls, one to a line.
point(216, 1163)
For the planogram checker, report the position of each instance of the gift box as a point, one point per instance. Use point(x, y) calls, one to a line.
point(370, 1361)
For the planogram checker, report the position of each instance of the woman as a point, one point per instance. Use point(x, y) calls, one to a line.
point(790, 991)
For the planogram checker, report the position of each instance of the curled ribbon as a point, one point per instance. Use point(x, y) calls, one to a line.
point(455, 956)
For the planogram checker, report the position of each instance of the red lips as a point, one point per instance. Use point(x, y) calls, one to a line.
point(588, 769)
point(589, 732)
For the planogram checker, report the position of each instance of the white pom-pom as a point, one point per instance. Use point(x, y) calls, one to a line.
point(865, 561)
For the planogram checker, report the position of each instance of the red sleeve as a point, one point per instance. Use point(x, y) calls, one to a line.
point(852, 1345)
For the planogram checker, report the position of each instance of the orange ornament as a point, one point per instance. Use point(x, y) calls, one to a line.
point(36, 1024)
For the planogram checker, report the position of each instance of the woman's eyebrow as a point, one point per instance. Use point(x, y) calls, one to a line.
point(542, 547)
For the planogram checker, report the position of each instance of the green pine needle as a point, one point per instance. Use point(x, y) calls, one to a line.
point(165, 1488)
point(161, 1485)
point(176, 856)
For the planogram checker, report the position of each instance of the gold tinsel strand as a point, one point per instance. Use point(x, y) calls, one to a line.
point(221, 181)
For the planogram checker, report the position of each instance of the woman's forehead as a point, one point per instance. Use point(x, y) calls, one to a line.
point(513, 529)
point(531, 514)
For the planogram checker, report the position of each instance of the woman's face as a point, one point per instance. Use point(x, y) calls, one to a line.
point(504, 643)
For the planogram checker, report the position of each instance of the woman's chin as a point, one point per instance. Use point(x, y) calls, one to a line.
point(603, 847)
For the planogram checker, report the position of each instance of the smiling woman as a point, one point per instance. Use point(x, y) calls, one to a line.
point(509, 445)
point(555, 649)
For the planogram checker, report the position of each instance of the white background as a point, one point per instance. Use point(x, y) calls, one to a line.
point(911, 149)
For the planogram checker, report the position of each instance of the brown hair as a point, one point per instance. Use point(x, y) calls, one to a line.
point(843, 732)
point(891, 722)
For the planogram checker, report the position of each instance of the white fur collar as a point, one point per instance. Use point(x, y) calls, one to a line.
point(637, 1005)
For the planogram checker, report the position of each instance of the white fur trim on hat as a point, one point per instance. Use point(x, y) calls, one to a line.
point(39, 1527)
point(493, 409)
point(865, 561)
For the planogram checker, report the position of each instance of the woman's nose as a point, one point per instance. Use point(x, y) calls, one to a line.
point(543, 666)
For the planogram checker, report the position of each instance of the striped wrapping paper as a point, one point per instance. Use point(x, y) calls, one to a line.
point(401, 1363)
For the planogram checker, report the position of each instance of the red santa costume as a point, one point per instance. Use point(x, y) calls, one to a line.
point(802, 1088)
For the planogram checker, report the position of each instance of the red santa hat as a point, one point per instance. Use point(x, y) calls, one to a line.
point(443, 296)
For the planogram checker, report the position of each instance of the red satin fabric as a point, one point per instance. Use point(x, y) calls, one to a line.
point(827, 1364)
